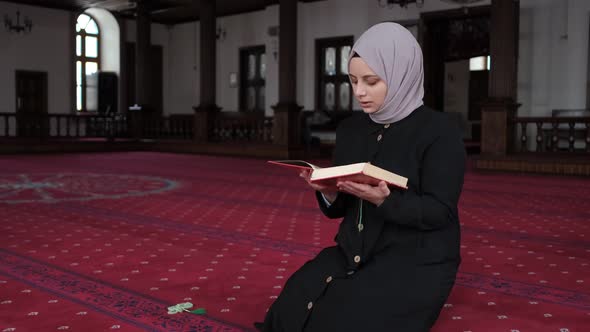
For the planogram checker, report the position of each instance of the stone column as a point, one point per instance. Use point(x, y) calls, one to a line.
point(142, 54)
point(207, 109)
point(287, 119)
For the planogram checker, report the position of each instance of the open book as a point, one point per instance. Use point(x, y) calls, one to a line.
point(359, 172)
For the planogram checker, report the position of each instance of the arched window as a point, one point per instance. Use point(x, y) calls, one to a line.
point(87, 63)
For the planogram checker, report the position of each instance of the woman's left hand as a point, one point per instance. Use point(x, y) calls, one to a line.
point(374, 194)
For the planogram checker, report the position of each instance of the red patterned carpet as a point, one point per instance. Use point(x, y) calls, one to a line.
point(101, 242)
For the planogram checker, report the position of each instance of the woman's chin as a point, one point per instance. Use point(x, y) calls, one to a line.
point(369, 110)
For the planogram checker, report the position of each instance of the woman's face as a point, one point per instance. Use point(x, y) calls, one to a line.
point(369, 89)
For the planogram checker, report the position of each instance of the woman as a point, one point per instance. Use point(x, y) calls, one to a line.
point(398, 250)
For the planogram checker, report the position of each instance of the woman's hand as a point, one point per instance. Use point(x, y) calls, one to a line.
point(374, 194)
point(329, 193)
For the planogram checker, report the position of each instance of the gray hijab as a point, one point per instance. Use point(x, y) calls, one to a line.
point(393, 53)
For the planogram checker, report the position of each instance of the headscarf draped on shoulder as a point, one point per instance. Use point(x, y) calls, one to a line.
point(393, 53)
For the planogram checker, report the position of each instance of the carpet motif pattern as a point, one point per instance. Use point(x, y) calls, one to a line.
point(60, 187)
point(111, 252)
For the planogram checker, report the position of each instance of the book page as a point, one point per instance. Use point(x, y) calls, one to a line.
point(294, 163)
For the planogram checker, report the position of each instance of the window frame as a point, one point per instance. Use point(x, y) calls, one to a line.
point(258, 83)
point(83, 60)
point(321, 45)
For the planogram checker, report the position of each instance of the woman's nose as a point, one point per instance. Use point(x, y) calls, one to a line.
point(360, 91)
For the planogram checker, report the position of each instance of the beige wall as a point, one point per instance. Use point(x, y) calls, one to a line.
point(553, 51)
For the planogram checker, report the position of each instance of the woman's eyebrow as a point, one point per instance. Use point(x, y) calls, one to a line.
point(365, 76)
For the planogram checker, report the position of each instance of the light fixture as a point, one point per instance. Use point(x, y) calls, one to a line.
point(402, 3)
point(17, 27)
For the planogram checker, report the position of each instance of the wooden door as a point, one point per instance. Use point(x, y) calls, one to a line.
point(31, 103)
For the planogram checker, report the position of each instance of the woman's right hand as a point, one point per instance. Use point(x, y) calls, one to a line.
point(329, 192)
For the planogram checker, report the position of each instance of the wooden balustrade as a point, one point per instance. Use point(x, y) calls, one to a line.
point(227, 126)
point(553, 134)
point(241, 127)
point(62, 126)
point(170, 127)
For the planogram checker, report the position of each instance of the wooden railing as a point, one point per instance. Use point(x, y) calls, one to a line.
point(226, 126)
point(553, 134)
point(169, 127)
point(241, 127)
point(62, 126)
